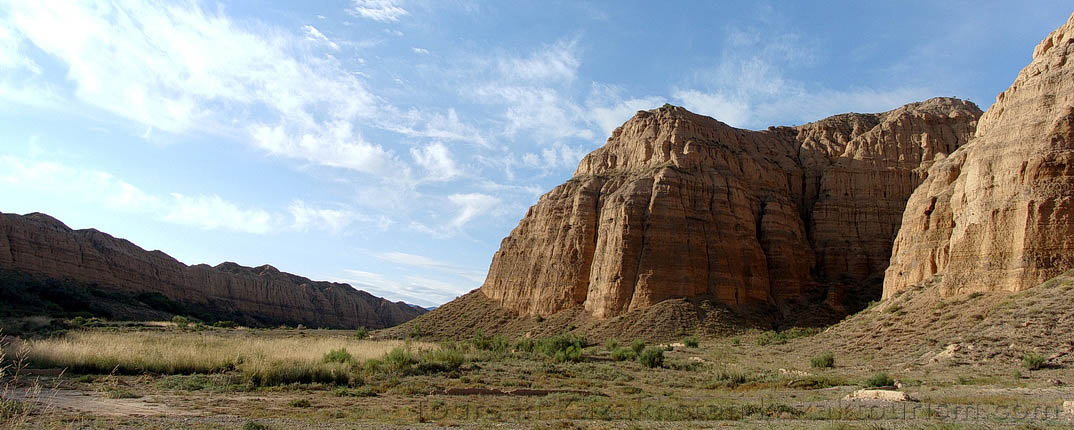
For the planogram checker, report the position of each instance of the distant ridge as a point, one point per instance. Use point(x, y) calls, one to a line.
point(36, 247)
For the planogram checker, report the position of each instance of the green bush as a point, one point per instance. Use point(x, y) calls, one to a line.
point(1033, 361)
point(637, 346)
point(299, 403)
point(400, 360)
point(498, 344)
point(180, 321)
point(556, 347)
point(354, 392)
point(623, 354)
point(225, 324)
point(823, 361)
point(283, 373)
point(772, 337)
point(525, 345)
point(879, 380)
point(361, 333)
point(253, 425)
point(441, 360)
point(337, 356)
point(611, 345)
point(652, 357)
point(572, 354)
point(691, 342)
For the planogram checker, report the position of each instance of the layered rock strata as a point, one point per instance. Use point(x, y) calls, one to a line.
point(998, 213)
point(677, 204)
point(40, 245)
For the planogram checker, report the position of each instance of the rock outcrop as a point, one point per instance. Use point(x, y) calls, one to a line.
point(679, 205)
point(40, 245)
point(998, 213)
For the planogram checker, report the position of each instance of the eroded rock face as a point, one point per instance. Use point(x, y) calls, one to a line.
point(998, 214)
point(681, 205)
point(41, 245)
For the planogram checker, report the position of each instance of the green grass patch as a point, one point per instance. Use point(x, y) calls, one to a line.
point(825, 360)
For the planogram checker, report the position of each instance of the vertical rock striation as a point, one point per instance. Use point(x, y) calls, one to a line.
point(681, 205)
point(40, 245)
point(998, 213)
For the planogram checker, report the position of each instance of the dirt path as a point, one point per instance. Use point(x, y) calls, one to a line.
point(97, 404)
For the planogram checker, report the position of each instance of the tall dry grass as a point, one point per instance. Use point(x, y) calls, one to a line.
point(265, 360)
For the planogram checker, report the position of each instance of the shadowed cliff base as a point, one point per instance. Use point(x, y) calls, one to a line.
point(670, 320)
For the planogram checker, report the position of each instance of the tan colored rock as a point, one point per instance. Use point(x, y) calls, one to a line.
point(998, 213)
point(879, 395)
point(681, 205)
point(40, 245)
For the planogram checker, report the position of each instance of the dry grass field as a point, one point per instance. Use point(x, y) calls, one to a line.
point(167, 377)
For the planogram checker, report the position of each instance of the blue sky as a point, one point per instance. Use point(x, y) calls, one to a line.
point(391, 144)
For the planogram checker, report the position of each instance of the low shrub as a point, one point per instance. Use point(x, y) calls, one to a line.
point(299, 403)
point(611, 345)
point(691, 342)
point(354, 392)
point(772, 337)
point(180, 321)
point(525, 345)
point(823, 361)
point(879, 380)
point(652, 357)
point(572, 354)
point(623, 354)
point(1033, 361)
point(293, 372)
point(441, 360)
point(637, 346)
point(337, 356)
point(361, 333)
point(253, 425)
point(497, 344)
point(556, 347)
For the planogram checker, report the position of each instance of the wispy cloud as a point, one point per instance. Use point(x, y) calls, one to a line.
point(181, 69)
point(752, 86)
point(423, 262)
point(437, 162)
point(412, 289)
point(205, 212)
point(379, 10)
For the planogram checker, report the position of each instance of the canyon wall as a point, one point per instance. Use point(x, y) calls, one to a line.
point(677, 204)
point(998, 213)
point(40, 245)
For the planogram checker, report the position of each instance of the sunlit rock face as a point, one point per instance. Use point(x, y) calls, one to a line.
point(998, 213)
point(677, 204)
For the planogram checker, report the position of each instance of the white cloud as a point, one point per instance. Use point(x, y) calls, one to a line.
point(471, 205)
point(433, 264)
point(182, 69)
point(313, 34)
point(436, 159)
point(335, 144)
point(412, 289)
point(206, 212)
point(430, 124)
point(609, 110)
point(716, 105)
point(214, 213)
point(379, 10)
point(421, 51)
point(557, 62)
point(751, 86)
point(331, 220)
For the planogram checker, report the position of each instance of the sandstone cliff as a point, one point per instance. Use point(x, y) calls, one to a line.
point(998, 214)
point(40, 245)
point(681, 205)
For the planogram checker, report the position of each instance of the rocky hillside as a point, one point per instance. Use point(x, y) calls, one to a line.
point(998, 213)
point(40, 246)
point(679, 205)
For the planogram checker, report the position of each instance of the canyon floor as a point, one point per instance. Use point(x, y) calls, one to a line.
point(113, 375)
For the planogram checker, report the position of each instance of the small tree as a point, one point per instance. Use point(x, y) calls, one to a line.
point(361, 333)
